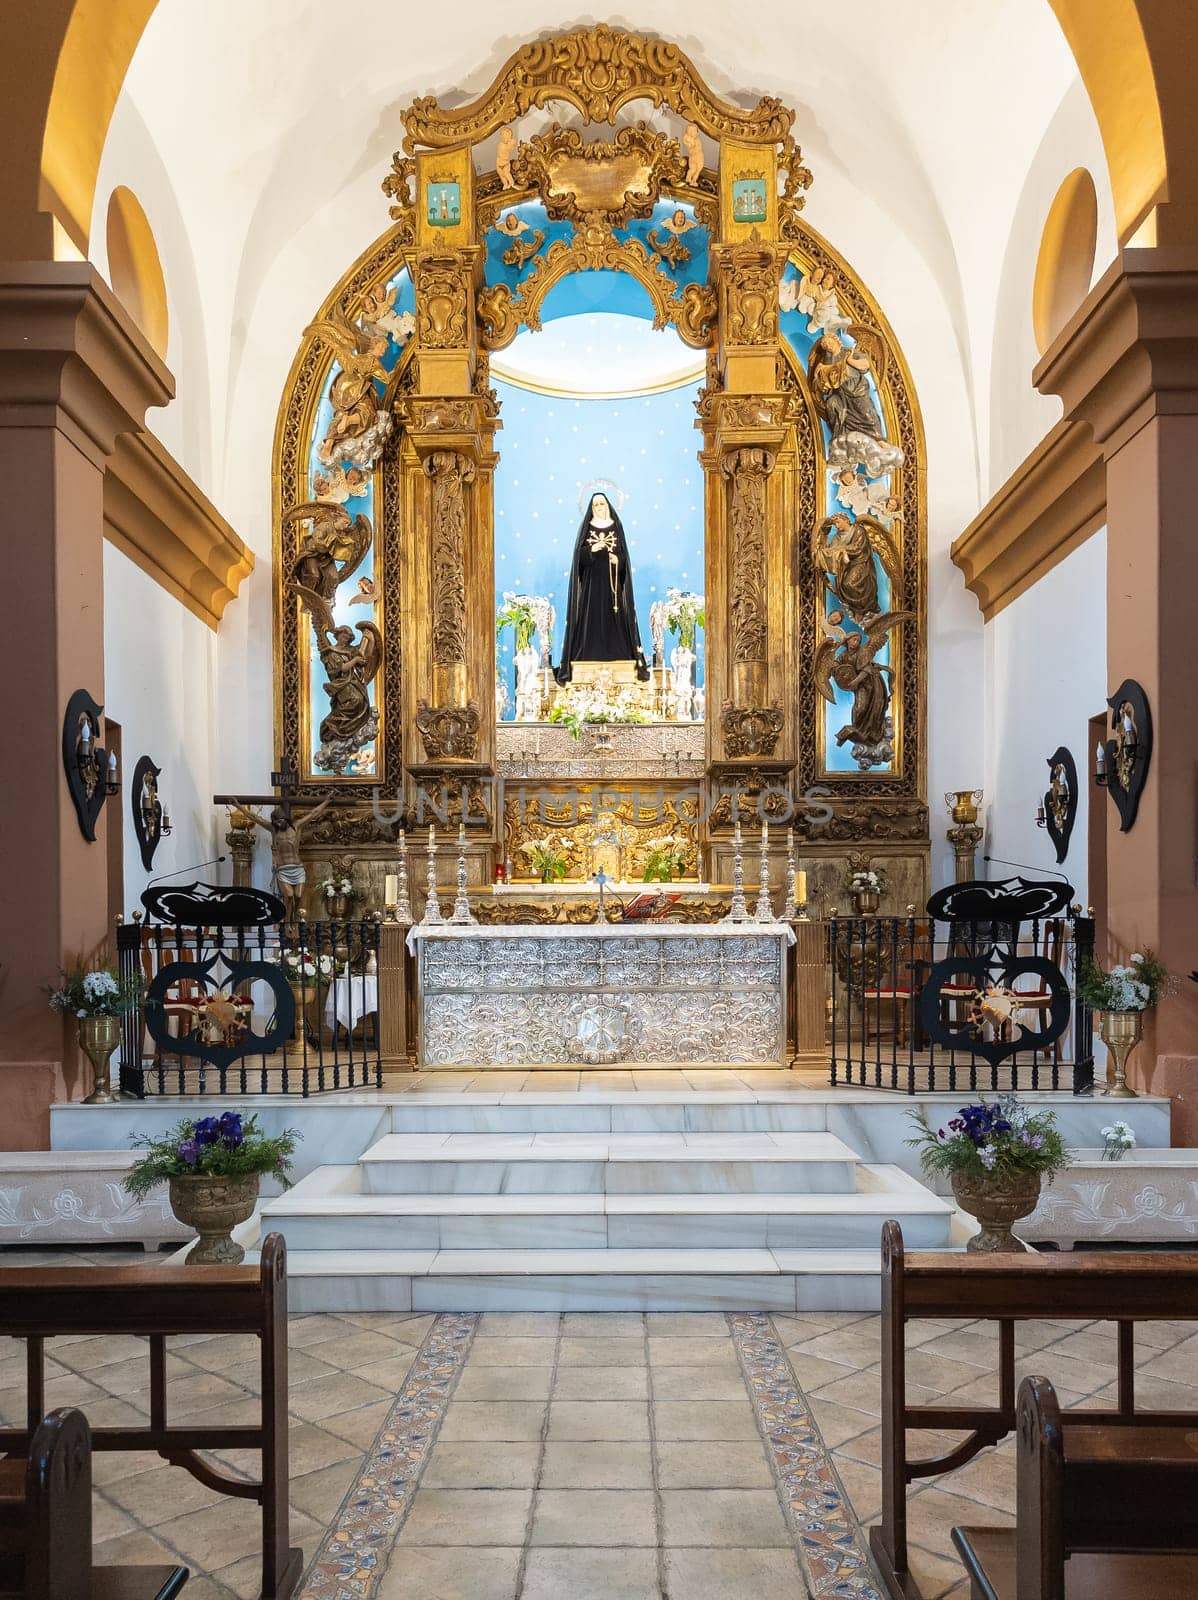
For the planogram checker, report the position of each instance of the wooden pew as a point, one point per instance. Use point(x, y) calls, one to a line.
point(1100, 1511)
point(37, 1303)
point(1119, 1288)
point(46, 1525)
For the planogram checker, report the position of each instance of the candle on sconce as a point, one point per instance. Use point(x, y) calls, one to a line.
point(85, 737)
point(1100, 757)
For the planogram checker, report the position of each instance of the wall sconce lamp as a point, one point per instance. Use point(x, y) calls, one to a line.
point(92, 773)
point(1057, 810)
point(151, 820)
point(1121, 763)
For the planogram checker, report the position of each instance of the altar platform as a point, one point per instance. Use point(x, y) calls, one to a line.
point(662, 1190)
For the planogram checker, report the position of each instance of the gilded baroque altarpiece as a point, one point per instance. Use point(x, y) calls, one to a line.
point(808, 433)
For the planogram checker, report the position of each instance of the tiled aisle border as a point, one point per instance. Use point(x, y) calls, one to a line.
point(832, 1546)
point(355, 1550)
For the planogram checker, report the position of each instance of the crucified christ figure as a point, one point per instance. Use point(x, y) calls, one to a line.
point(290, 873)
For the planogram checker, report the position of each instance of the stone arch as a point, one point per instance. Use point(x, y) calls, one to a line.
point(134, 266)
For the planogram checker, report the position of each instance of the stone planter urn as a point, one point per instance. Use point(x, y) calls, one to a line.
point(996, 1203)
point(214, 1206)
point(1121, 1032)
point(98, 1038)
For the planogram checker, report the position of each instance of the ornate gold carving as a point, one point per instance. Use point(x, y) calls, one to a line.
point(748, 471)
point(594, 248)
point(600, 182)
point(877, 818)
point(751, 730)
point(443, 414)
point(597, 70)
point(757, 792)
point(522, 250)
point(442, 301)
point(754, 410)
point(497, 316)
point(449, 472)
point(796, 179)
point(400, 186)
point(579, 823)
point(749, 274)
point(450, 733)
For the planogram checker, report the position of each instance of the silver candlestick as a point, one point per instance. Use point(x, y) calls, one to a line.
point(432, 906)
point(788, 896)
point(765, 906)
point(403, 898)
point(738, 911)
point(461, 903)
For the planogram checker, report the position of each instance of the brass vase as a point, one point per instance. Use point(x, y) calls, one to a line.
point(98, 1038)
point(996, 1203)
point(1121, 1032)
point(213, 1206)
point(866, 902)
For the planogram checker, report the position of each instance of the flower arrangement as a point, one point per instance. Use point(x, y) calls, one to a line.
point(1133, 987)
point(546, 859)
point(228, 1146)
point(517, 612)
point(574, 717)
point(95, 992)
point(865, 880)
point(685, 614)
point(338, 886)
point(305, 966)
point(1117, 1139)
point(991, 1141)
point(666, 858)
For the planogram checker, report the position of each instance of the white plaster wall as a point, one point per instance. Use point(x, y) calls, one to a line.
point(1046, 674)
point(160, 685)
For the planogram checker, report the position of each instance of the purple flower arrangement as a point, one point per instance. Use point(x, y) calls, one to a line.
point(228, 1146)
point(996, 1140)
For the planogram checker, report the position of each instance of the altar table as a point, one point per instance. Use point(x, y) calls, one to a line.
point(602, 994)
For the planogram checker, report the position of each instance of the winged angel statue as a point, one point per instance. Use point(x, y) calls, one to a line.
point(331, 552)
point(846, 658)
point(840, 375)
point(359, 426)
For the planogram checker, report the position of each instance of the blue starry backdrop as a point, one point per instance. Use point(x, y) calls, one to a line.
point(551, 447)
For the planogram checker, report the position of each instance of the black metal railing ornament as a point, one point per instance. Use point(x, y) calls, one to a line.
point(976, 995)
point(237, 1001)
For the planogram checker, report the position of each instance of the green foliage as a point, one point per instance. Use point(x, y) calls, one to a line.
point(228, 1146)
point(518, 614)
point(996, 1140)
point(665, 859)
point(1124, 988)
point(546, 859)
point(573, 719)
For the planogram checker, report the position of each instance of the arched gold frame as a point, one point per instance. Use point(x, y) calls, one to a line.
point(888, 805)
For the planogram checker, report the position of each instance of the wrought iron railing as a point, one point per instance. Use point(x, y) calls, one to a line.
point(251, 1009)
point(921, 1004)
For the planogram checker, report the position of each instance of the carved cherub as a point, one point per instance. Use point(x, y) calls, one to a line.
point(504, 152)
point(693, 145)
point(331, 551)
point(380, 317)
point(672, 249)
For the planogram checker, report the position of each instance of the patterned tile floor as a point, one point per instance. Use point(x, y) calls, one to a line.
point(604, 1456)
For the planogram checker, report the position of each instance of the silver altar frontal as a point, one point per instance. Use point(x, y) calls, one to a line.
point(602, 994)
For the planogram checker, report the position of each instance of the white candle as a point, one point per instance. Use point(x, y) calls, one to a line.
point(403, 841)
point(391, 889)
point(1100, 757)
point(461, 836)
point(432, 836)
point(765, 832)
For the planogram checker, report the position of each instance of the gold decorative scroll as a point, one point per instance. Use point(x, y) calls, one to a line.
point(608, 182)
point(449, 472)
point(749, 275)
point(442, 301)
point(748, 472)
point(598, 71)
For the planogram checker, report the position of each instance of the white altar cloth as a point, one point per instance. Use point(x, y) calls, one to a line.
point(602, 993)
point(349, 1000)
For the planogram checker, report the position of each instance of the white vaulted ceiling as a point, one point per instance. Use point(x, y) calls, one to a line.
point(255, 137)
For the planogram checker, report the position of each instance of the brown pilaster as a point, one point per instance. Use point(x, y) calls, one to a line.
point(1127, 364)
point(75, 374)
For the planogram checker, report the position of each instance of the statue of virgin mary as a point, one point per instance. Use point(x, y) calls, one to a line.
point(601, 620)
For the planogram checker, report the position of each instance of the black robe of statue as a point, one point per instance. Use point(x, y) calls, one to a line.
point(601, 620)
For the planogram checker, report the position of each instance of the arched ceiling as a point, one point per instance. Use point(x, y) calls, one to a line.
point(275, 131)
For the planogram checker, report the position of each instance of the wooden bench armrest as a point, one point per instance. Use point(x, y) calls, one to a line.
point(138, 1583)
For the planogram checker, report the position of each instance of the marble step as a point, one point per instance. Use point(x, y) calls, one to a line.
point(328, 1210)
point(639, 1163)
point(612, 1112)
point(583, 1280)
